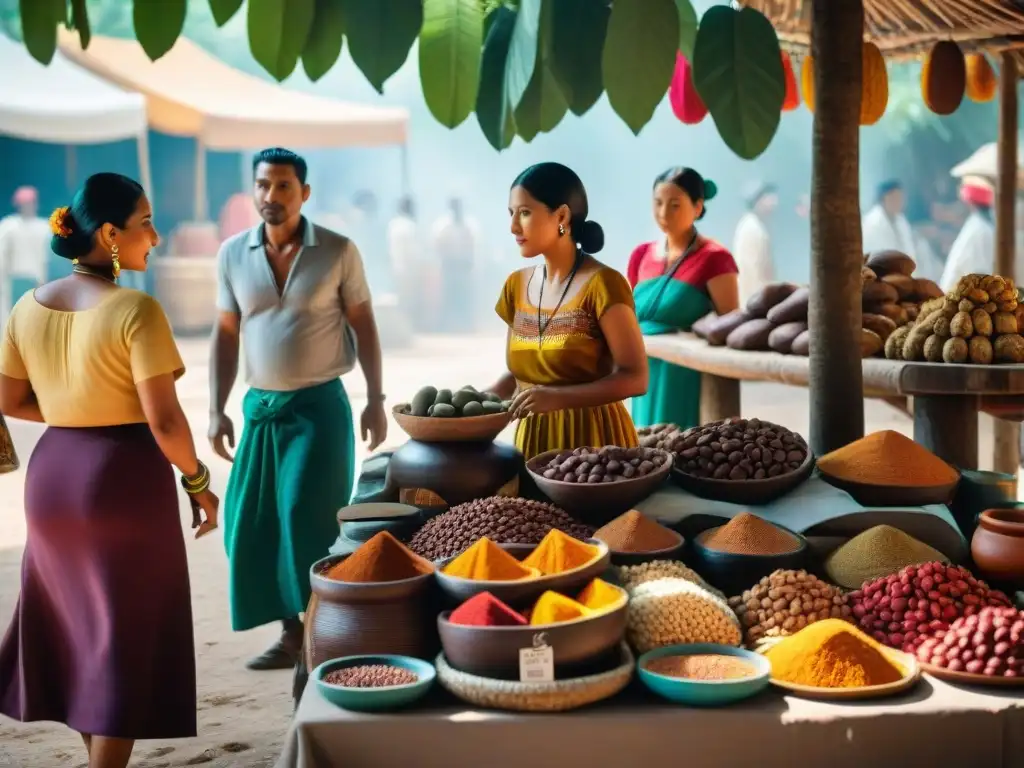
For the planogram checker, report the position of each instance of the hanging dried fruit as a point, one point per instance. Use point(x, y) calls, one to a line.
point(981, 78)
point(874, 97)
point(944, 78)
point(792, 100)
point(687, 104)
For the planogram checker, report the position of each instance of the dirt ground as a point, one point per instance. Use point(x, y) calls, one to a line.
point(243, 716)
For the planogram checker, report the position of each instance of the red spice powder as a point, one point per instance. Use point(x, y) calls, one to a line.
point(485, 610)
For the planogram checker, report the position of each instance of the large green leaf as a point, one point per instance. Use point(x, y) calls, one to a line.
point(326, 37)
point(223, 10)
point(578, 29)
point(80, 22)
point(39, 20)
point(158, 23)
point(737, 70)
point(493, 111)
point(543, 106)
point(380, 34)
point(522, 51)
point(450, 51)
point(687, 28)
point(278, 30)
point(639, 57)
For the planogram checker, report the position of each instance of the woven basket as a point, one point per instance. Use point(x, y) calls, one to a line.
point(457, 429)
point(557, 696)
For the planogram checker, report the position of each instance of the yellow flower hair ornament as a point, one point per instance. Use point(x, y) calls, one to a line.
point(59, 222)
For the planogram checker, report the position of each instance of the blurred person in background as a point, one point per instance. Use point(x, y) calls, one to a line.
point(885, 227)
point(752, 246)
point(676, 281)
point(24, 249)
point(455, 249)
point(973, 251)
point(404, 250)
point(363, 224)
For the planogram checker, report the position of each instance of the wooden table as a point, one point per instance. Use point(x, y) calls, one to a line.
point(945, 396)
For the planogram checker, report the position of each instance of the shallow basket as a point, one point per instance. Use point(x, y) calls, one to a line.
point(870, 495)
point(450, 430)
point(346, 619)
point(518, 594)
point(598, 502)
point(556, 696)
point(749, 492)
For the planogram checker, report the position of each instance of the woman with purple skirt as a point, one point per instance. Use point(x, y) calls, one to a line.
point(101, 638)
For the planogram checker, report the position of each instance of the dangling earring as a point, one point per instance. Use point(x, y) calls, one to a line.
point(561, 230)
point(114, 261)
point(74, 262)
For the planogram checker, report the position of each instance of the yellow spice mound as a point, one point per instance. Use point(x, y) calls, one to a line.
point(831, 654)
point(553, 608)
point(486, 561)
point(599, 595)
point(559, 552)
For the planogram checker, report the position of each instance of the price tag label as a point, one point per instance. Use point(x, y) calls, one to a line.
point(536, 665)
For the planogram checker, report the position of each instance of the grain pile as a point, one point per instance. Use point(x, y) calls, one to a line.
point(632, 576)
point(785, 602)
point(887, 458)
point(634, 532)
point(748, 534)
point(371, 676)
point(674, 611)
point(877, 552)
point(502, 519)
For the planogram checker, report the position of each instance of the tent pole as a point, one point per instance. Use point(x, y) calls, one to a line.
point(836, 375)
point(202, 209)
point(1006, 448)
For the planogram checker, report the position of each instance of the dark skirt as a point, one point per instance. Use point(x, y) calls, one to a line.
point(101, 638)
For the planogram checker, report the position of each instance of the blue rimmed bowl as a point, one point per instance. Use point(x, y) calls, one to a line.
point(375, 699)
point(705, 693)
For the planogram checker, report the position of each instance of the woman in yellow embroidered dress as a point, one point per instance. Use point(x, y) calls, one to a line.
point(575, 351)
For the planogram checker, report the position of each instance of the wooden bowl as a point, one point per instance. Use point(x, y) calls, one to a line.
point(911, 674)
point(493, 652)
point(519, 594)
point(458, 429)
point(732, 573)
point(870, 495)
point(599, 502)
point(967, 678)
point(746, 492)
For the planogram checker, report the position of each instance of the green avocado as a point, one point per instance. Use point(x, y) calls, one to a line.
point(464, 396)
point(490, 406)
point(443, 396)
point(490, 397)
point(473, 409)
point(423, 400)
point(443, 411)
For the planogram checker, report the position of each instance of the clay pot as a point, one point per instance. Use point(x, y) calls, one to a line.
point(998, 545)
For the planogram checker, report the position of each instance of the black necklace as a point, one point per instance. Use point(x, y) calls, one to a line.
point(83, 269)
point(682, 256)
point(542, 327)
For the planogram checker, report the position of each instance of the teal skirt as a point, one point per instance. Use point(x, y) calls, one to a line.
point(673, 396)
point(293, 470)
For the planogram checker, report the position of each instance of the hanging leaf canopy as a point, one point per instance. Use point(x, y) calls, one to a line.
point(519, 65)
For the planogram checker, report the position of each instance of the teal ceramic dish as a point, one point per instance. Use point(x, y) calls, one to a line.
point(375, 699)
point(705, 693)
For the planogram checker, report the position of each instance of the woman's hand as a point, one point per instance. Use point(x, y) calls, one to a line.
point(537, 400)
point(210, 505)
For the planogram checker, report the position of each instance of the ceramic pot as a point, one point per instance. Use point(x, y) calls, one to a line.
point(998, 545)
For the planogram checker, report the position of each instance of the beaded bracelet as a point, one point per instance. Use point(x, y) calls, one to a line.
point(193, 486)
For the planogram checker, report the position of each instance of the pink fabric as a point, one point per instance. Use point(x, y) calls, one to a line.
point(977, 194)
point(25, 196)
point(706, 263)
point(237, 215)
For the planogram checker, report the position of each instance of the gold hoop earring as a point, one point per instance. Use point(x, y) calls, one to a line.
point(74, 262)
point(113, 260)
point(561, 230)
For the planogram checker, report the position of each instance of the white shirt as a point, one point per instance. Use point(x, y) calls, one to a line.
point(752, 249)
point(973, 251)
point(24, 247)
point(883, 232)
point(455, 242)
point(404, 244)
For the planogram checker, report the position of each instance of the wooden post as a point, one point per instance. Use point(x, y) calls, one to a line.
point(719, 398)
point(1006, 448)
point(836, 379)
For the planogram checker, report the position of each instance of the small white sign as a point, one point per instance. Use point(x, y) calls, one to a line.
point(537, 664)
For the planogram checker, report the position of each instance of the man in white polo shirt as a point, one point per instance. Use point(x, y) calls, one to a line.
point(295, 295)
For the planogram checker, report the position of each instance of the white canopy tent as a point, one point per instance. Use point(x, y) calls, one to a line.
point(64, 104)
point(191, 93)
point(985, 162)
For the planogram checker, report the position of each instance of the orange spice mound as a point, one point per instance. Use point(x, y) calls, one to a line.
point(486, 561)
point(555, 608)
point(382, 558)
point(558, 552)
point(599, 595)
point(634, 531)
point(748, 534)
point(887, 458)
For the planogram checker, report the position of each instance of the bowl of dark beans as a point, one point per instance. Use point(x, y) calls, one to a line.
point(374, 683)
point(596, 484)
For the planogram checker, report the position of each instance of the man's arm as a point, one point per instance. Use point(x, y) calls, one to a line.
point(354, 294)
point(224, 346)
point(360, 318)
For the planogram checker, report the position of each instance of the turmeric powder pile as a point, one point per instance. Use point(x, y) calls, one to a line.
point(486, 561)
point(596, 598)
point(558, 552)
point(832, 654)
point(887, 458)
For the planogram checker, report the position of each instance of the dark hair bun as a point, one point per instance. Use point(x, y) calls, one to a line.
point(710, 190)
point(590, 237)
point(73, 246)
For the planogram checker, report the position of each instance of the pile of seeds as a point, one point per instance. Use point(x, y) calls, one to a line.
point(739, 449)
point(608, 464)
point(785, 602)
point(702, 666)
point(371, 676)
point(991, 643)
point(677, 611)
point(748, 534)
point(502, 519)
point(632, 576)
point(875, 553)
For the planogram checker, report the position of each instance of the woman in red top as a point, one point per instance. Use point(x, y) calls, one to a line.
point(676, 281)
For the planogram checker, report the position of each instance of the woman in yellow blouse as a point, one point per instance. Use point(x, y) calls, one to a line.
point(575, 351)
point(101, 638)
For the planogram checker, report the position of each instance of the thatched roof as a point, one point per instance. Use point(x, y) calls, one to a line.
point(907, 28)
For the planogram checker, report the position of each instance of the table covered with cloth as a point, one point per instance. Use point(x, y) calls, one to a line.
point(932, 724)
